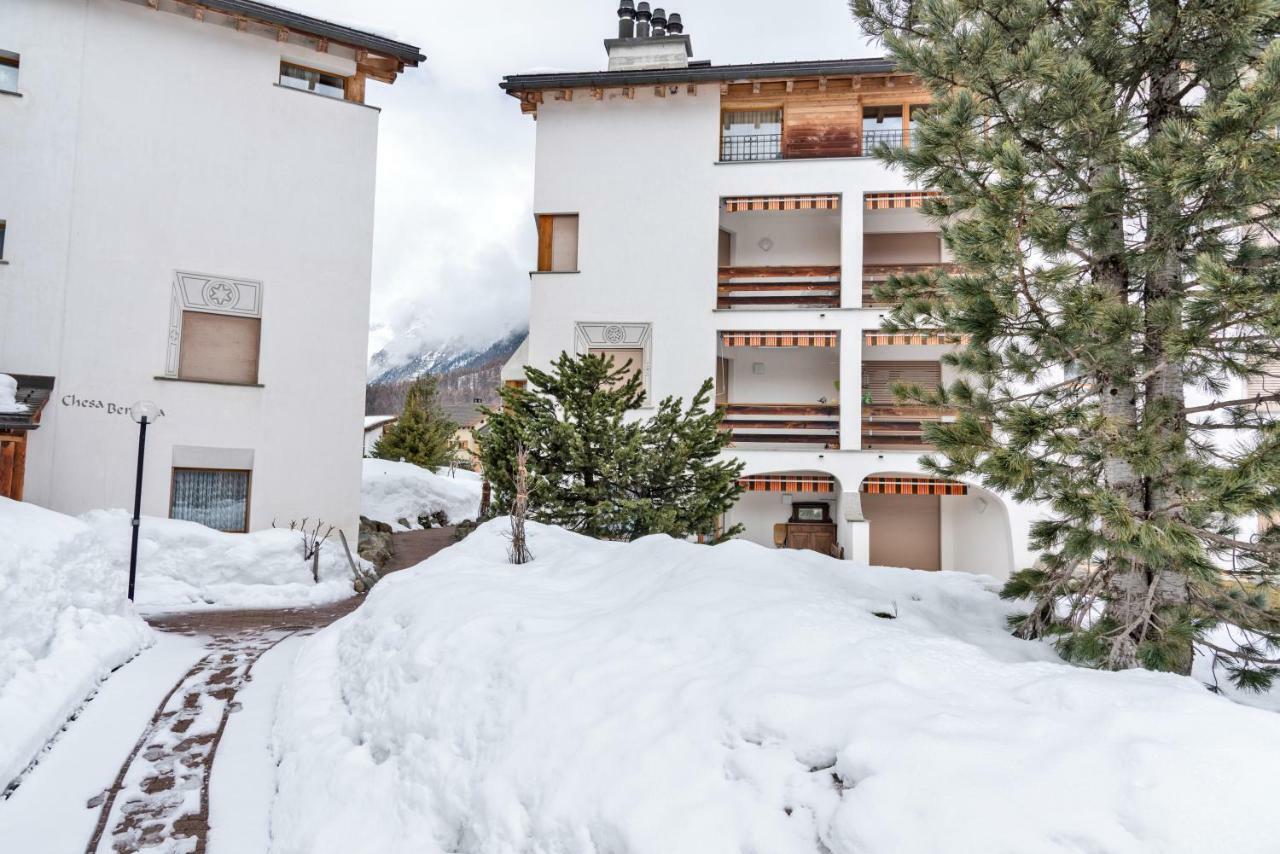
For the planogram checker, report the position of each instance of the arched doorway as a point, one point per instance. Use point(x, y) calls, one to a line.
point(921, 522)
point(792, 509)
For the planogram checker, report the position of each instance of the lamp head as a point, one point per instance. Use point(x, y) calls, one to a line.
point(145, 410)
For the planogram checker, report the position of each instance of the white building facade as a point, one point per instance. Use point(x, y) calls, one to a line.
point(187, 210)
point(725, 221)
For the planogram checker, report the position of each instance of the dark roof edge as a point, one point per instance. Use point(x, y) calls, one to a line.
point(751, 71)
point(406, 53)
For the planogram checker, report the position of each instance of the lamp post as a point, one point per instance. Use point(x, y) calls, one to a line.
point(144, 412)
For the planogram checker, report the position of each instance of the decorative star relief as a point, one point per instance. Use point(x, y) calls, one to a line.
point(220, 294)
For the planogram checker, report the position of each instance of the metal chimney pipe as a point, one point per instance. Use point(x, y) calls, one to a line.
point(659, 23)
point(626, 19)
point(642, 20)
point(674, 26)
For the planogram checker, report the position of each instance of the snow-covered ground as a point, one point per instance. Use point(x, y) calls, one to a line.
point(64, 625)
point(393, 491)
point(184, 565)
point(661, 697)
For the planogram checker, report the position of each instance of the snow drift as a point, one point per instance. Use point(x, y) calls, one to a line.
point(185, 564)
point(661, 697)
point(393, 491)
point(64, 625)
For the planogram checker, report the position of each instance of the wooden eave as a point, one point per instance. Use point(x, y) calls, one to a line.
point(378, 65)
point(873, 89)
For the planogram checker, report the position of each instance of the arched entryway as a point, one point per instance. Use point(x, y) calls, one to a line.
point(921, 522)
point(792, 509)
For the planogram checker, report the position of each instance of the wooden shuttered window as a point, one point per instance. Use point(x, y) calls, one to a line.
point(557, 243)
point(879, 378)
point(621, 356)
point(219, 348)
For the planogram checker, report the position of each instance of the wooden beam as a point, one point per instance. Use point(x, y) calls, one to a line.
point(154, 4)
point(791, 85)
point(724, 88)
point(630, 92)
point(597, 93)
point(354, 88)
point(242, 25)
point(692, 89)
point(322, 46)
point(755, 88)
point(822, 84)
point(660, 91)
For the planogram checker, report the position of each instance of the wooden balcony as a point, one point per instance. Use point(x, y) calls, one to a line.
point(783, 424)
point(874, 275)
point(778, 287)
point(892, 427)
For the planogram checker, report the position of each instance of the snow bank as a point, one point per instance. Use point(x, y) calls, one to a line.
point(64, 625)
point(185, 565)
point(661, 697)
point(8, 396)
point(394, 491)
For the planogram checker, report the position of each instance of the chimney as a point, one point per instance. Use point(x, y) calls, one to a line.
point(626, 19)
point(647, 39)
point(659, 23)
point(642, 20)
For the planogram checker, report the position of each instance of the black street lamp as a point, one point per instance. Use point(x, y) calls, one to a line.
point(144, 412)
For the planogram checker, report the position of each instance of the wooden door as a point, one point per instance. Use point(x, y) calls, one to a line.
point(906, 530)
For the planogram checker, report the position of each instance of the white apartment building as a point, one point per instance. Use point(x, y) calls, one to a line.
point(726, 221)
point(186, 212)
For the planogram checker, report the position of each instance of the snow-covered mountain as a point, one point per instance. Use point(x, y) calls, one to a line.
point(442, 359)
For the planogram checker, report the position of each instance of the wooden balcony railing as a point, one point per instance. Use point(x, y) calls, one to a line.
point(783, 423)
point(892, 427)
point(878, 274)
point(778, 287)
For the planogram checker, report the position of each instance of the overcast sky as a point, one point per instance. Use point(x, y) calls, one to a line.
point(454, 236)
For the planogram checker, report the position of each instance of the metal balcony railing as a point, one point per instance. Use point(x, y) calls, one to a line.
point(873, 139)
point(767, 146)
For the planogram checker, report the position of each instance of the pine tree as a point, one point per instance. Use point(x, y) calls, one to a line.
point(593, 470)
point(1108, 179)
point(424, 434)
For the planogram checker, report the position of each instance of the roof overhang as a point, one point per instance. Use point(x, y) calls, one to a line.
point(33, 393)
point(376, 56)
point(530, 88)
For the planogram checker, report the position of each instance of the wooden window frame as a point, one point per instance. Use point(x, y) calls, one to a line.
point(349, 84)
point(546, 236)
point(248, 491)
point(4, 226)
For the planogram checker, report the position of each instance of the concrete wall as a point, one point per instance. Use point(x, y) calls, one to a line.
point(790, 375)
point(796, 238)
point(147, 143)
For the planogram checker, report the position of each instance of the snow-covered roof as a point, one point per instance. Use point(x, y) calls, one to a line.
point(373, 421)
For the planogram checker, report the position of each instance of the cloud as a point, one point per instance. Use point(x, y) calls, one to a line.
point(454, 235)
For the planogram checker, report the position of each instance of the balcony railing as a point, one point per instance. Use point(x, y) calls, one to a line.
point(766, 146)
point(893, 427)
point(783, 424)
point(778, 287)
point(873, 139)
point(874, 275)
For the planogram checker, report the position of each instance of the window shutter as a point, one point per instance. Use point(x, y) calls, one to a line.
point(557, 243)
point(219, 347)
point(880, 377)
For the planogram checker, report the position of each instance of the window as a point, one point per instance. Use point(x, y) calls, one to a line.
point(311, 80)
point(218, 498)
point(219, 348)
point(8, 71)
point(751, 134)
point(621, 356)
point(557, 243)
point(2, 228)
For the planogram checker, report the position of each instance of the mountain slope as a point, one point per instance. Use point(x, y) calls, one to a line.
point(452, 356)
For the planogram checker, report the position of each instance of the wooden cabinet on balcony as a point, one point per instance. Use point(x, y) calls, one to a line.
point(778, 287)
point(783, 424)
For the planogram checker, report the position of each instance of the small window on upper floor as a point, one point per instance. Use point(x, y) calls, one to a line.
point(557, 243)
point(312, 80)
point(8, 71)
point(219, 348)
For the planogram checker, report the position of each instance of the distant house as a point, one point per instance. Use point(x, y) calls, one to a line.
point(470, 421)
point(374, 425)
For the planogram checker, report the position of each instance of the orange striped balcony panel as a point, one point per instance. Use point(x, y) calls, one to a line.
point(780, 339)
point(827, 202)
point(788, 483)
point(889, 201)
point(887, 339)
point(913, 486)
